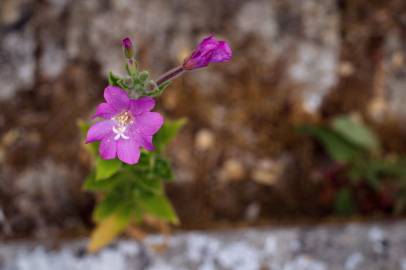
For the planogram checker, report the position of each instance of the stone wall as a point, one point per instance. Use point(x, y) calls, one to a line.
point(292, 63)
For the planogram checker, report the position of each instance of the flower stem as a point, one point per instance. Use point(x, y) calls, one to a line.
point(170, 75)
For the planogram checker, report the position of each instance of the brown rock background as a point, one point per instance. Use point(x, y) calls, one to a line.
point(239, 159)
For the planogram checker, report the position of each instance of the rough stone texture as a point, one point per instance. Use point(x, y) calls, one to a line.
point(54, 55)
point(349, 247)
point(394, 77)
point(92, 30)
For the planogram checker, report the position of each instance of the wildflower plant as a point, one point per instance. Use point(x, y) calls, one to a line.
point(127, 144)
point(361, 178)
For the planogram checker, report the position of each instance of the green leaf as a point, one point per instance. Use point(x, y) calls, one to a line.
point(118, 198)
point(336, 146)
point(168, 131)
point(150, 185)
point(108, 229)
point(113, 79)
point(356, 133)
point(106, 168)
point(91, 184)
point(344, 204)
point(162, 169)
point(158, 206)
point(118, 180)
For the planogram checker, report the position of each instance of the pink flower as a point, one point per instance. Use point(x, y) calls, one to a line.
point(128, 125)
point(209, 50)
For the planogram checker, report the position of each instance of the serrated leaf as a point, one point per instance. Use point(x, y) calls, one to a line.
point(168, 131)
point(108, 229)
point(106, 168)
point(337, 147)
point(356, 133)
point(158, 206)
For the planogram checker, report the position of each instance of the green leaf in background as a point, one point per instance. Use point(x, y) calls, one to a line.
point(106, 168)
point(356, 133)
point(337, 147)
point(158, 206)
point(168, 131)
point(344, 204)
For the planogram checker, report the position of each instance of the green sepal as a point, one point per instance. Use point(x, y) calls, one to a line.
point(158, 90)
point(143, 76)
point(113, 79)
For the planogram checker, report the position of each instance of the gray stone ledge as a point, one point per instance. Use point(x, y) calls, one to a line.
point(331, 247)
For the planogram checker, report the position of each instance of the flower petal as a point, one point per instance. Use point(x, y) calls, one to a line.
point(117, 98)
point(99, 131)
point(222, 53)
point(105, 110)
point(128, 151)
point(108, 148)
point(209, 50)
point(147, 142)
point(142, 140)
point(144, 104)
point(148, 123)
point(207, 44)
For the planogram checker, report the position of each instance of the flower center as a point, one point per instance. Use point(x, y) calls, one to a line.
point(122, 119)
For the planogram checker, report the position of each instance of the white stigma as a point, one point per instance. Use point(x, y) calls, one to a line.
point(119, 131)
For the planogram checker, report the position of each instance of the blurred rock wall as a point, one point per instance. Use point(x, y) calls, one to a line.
point(292, 62)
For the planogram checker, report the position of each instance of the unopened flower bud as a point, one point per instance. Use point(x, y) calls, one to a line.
point(209, 50)
point(128, 48)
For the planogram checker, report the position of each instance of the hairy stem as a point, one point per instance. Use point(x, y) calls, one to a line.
point(170, 75)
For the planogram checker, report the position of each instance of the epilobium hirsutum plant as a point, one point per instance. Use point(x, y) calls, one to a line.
point(127, 144)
